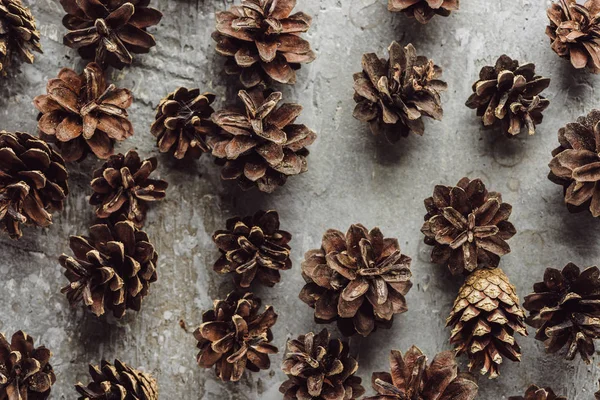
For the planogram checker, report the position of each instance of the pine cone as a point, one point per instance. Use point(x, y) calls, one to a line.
point(537, 393)
point(394, 95)
point(183, 123)
point(485, 317)
point(122, 186)
point(358, 280)
point(234, 336)
point(18, 34)
point(33, 182)
point(411, 378)
point(118, 382)
point(510, 93)
point(108, 31)
point(468, 226)
point(111, 269)
point(423, 10)
point(25, 371)
point(253, 248)
point(262, 146)
point(82, 114)
point(262, 40)
point(320, 368)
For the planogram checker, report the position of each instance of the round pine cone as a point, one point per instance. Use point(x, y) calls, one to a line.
point(18, 34)
point(33, 182)
point(112, 268)
point(234, 336)
point(320, 368)
point(82, 114)
point(423, 10)
point(468, 226)
point(537, 393)
point(394, 95)
point(358, 280)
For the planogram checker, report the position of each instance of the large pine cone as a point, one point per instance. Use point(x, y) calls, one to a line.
point(112, 269)
point(18, 34)
point(235, 336)
point(394, 95)
point(320, 368)
point(262, 40)
point(82, 114)
point(468, 226)
point(25, 372)
point(537, 393)
point(33, 182)
point(358, 279)
point(423, 10)
point(262, 146)
point(484, 319)
point(108, 31)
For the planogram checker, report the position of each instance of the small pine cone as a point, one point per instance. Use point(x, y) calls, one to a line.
point(423, 10)
point(111, 269)
point(411, 378)
point(358, 280)
point(468, 226)
point(320, 368)
point(18, 34)
point(25, 371)
point(484, 319)
point(510, 93)
point(234, 336)
point(82, 114)
point(33, 182)
point(537, 393)
point(394, 95)
point(183, 123)
point(253, 248)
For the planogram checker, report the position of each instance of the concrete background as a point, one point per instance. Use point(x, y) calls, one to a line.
point(352, 177)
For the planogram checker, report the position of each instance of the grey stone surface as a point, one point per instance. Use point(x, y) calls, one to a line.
point(352, 178)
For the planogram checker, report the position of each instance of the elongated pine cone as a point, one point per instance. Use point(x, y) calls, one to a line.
point(19, 36)
point(112, 268)
point(80, 113)
point(423, 10)
point(393, 96)
point(320, 368)
point(537, 393)
point(358, 279)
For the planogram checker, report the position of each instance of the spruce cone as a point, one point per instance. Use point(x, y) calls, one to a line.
point(537, 393)
point(565, 309)
point(320, 368)
point(253, 248)
point(358, 280)
point(18, 34)
point(122, 186)
point(423, 10)
point(111, 269)
point(411, 378)
point(82, 114)
point(485, 317)
point(261, 147)
point(25, 372)
point(262, 40)
point(118, 382)
point(33, 182)
point(468, 226)
point(394, 95)
point(510, 93)
point(183, 123)
point(108, 31)
point(234, 336)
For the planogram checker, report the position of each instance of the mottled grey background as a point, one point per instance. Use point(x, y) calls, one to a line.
point(352, 178)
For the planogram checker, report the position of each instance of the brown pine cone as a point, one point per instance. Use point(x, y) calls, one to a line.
point(468, 226)
point(108, 31)
point(234, 336)
point(262, 40)
point(565, 309)
point(510, 93)
point(25, 371)
point(123, 186)
point(183, 122)
point(320, 368)
point(484, 319)
point(423, 10)
point(411, 378)
point(18, 34)
point(81, 113)
point(262, 146)
point(537, 393)
point(358, 280)
point(394, 95)
point(111, 269)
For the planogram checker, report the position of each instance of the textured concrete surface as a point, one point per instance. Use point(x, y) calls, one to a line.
point(352, 178)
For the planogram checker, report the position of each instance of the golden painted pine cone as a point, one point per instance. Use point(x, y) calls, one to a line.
point(537, 393)
point(423, 10)
point(19, 36)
